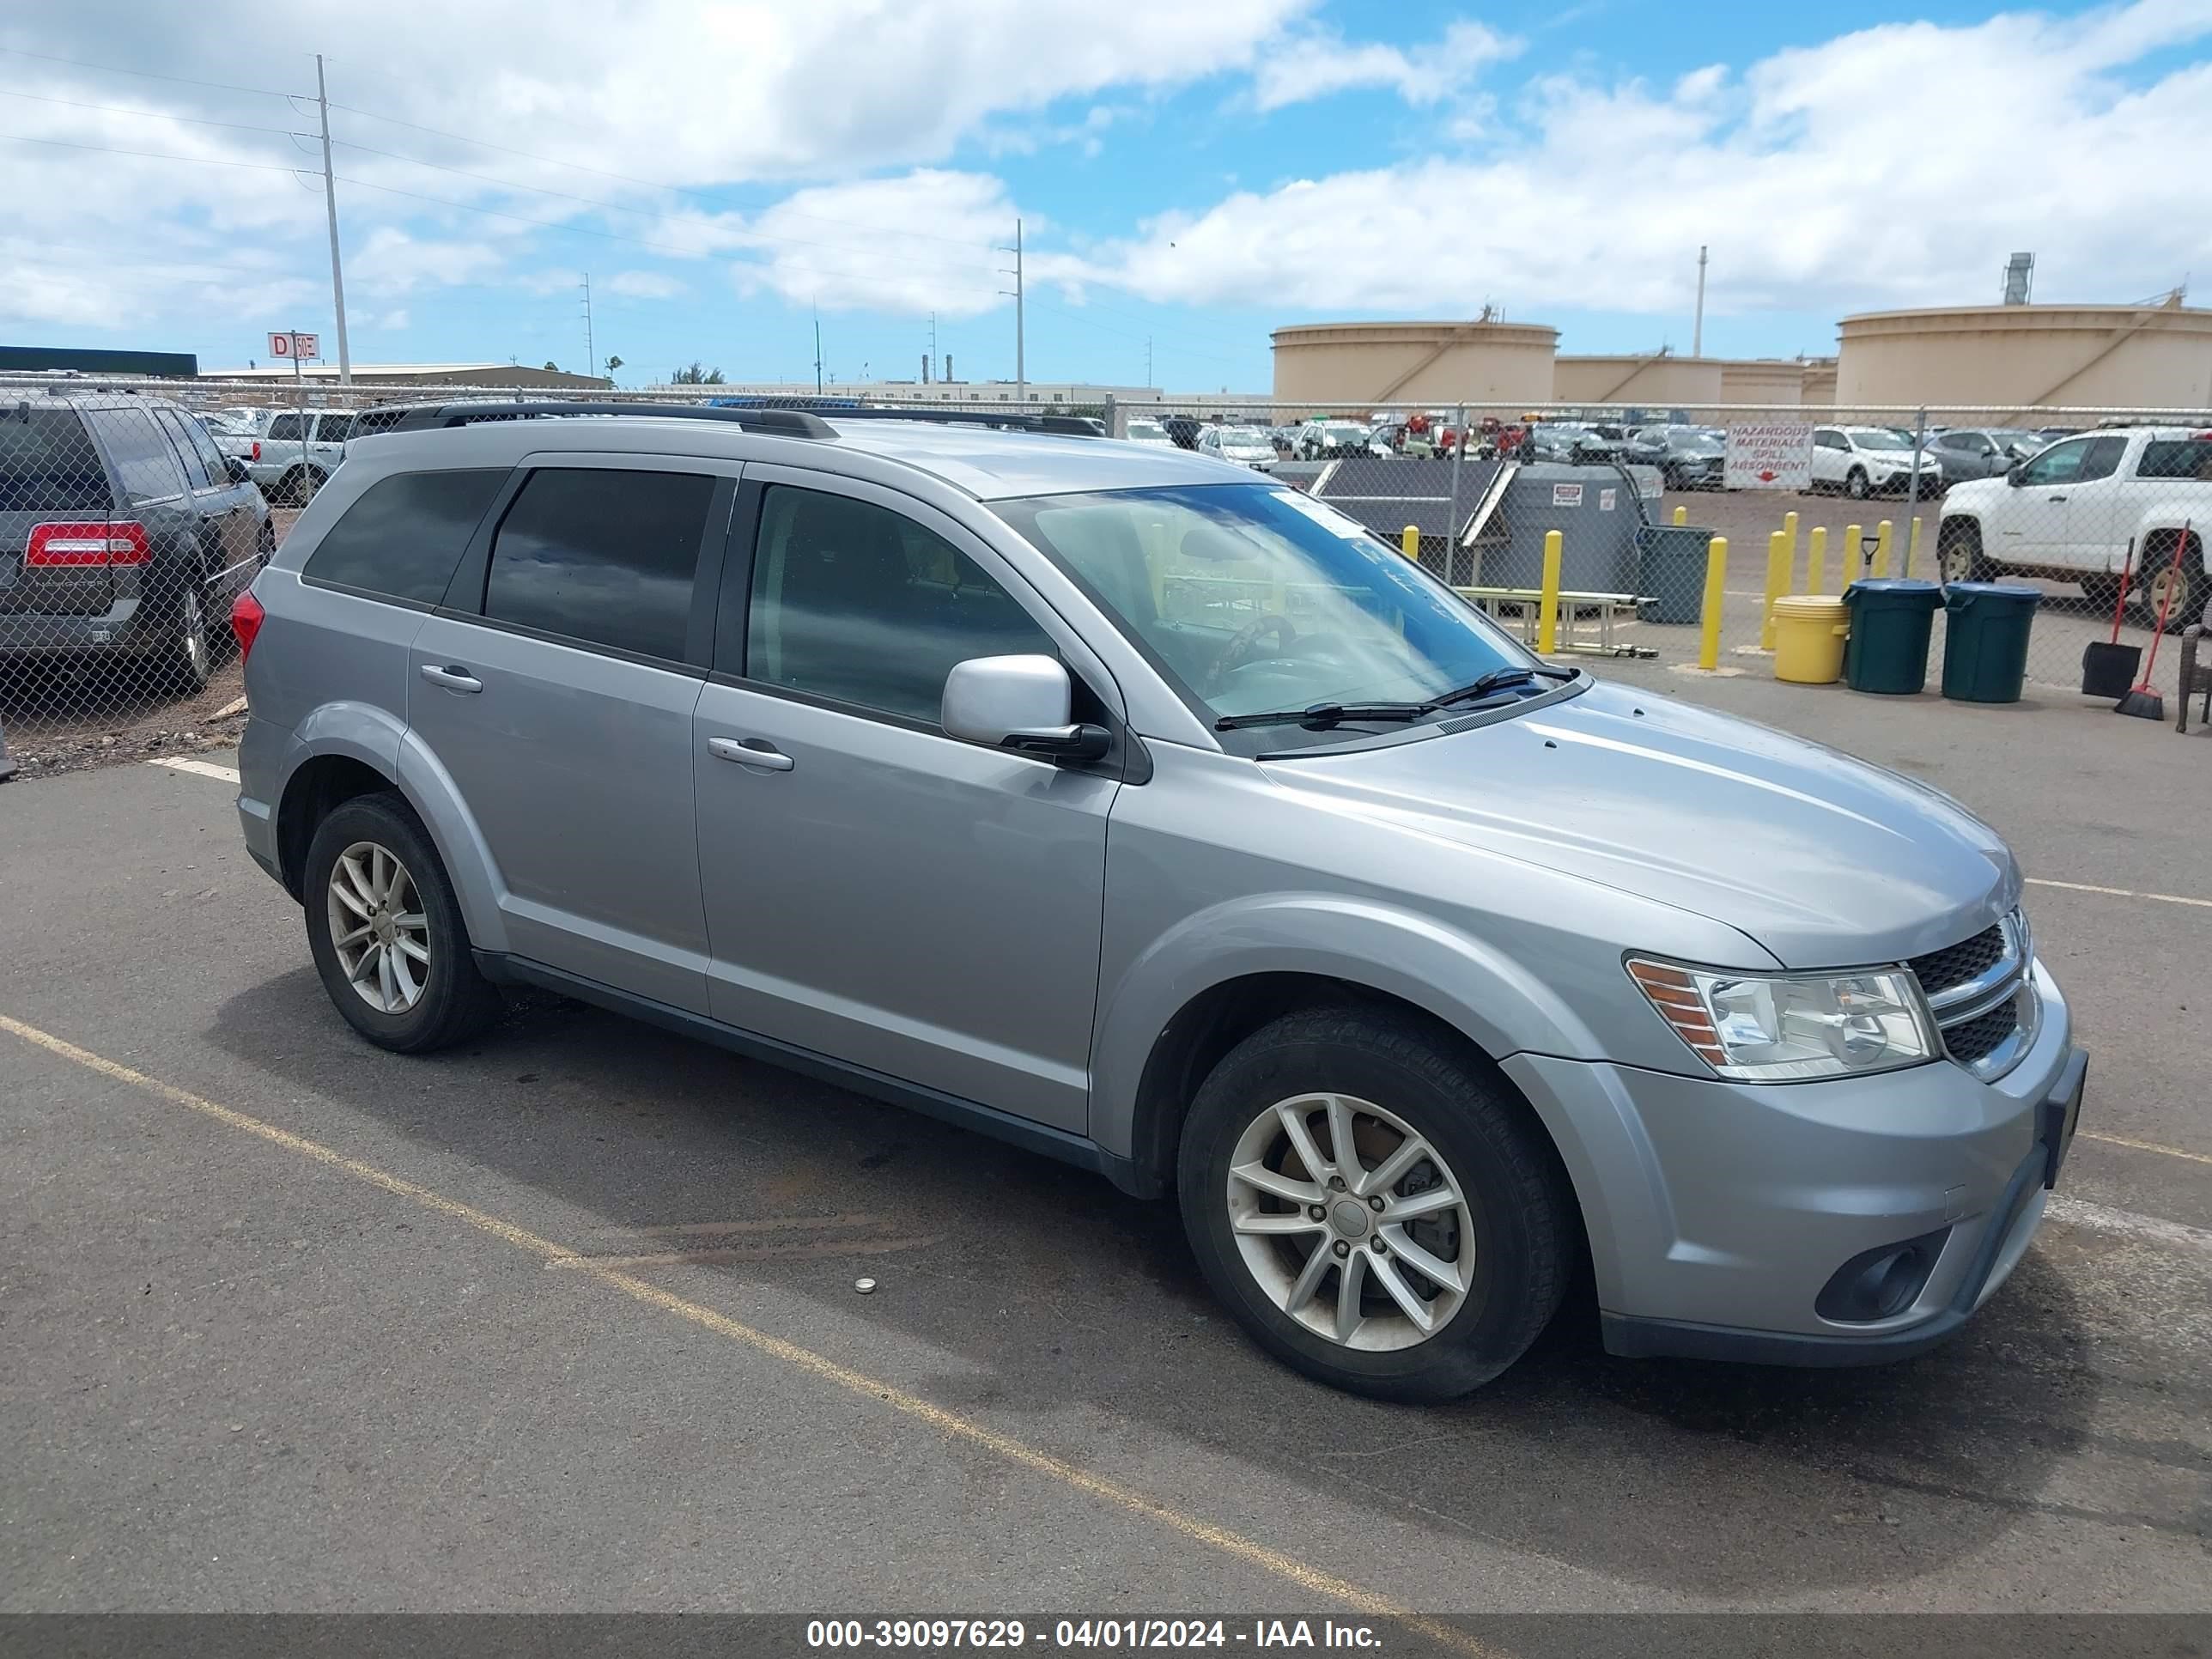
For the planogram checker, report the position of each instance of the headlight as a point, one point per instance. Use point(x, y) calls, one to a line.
point(1784, 1028)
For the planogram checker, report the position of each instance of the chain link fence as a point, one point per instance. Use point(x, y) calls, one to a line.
point(131, 514)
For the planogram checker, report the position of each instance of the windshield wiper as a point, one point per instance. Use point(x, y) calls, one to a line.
point(1321, 715)
point(1497, 679)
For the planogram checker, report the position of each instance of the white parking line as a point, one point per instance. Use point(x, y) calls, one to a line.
point(2119, 892)
point(198, 768)
point(2126, 1223)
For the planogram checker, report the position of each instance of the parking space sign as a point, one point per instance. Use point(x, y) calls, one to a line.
point(303, 348)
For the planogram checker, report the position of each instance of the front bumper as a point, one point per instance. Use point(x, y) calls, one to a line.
point(1717, 1212)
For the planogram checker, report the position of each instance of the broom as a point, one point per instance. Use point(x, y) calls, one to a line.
point(2143, 701)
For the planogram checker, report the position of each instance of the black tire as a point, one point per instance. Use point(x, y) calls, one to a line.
point(456, 1000)
point(2103, 593)
point(1855, 484)
point(1959, 556)
point(186, 662)
point(1525, 1242)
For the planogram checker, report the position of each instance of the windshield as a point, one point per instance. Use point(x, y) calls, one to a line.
point(1237, 437)
point(1147, 429)
point(1344, 434)
point(1251, 597)
point(1878, 437)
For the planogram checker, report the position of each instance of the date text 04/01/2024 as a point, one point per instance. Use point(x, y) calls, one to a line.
point(1087, 1634)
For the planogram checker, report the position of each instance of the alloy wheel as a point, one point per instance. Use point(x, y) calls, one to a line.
point(378, 928)
point(1350, 1222)
point(192, 638)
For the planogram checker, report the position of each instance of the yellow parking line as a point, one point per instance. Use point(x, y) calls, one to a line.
point(1248, 1551)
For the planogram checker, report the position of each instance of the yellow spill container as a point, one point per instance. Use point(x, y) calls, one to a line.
point(1809, 629)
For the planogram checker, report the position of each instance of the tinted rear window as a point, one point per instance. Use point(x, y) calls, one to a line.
point(48, 465)
point(2176, 458)
point(144, 464)
point(403, 538)
point(604, 555)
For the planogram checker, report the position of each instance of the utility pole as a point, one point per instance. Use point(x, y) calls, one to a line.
point(817, 352)
point(330, 205)
point(1148, 360)
point(1698, 328)
point(1021, 369)
point(591, 351)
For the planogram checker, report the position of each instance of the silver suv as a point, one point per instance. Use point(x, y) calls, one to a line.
point(1157, 817)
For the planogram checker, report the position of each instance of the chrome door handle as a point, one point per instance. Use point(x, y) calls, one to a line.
point(765, 758)
point(455, 678)
point(2057, 498)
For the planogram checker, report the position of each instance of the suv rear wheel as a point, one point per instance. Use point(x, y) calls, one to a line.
point(2189, 587)
point(1373, 1206)
point(386, 930)
point(188, 660)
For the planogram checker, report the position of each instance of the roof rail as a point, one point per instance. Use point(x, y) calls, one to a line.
point(788, 422)
point(783, 422)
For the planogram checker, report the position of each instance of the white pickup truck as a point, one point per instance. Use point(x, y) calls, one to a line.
point(288, 471)
point(2086, 508)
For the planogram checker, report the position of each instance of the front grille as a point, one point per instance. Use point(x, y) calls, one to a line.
point(1977, 1039)
point(1955, 964)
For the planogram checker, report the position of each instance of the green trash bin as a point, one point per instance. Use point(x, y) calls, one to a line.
point(1986, 640)
point(1670, 572)
point(1890, 621)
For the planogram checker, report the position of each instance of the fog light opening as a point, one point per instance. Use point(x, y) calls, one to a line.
point(1881, 1282)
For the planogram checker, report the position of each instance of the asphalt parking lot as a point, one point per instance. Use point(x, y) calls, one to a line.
point(568, 1319)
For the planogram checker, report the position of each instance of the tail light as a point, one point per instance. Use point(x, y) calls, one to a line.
point(257, 449)
point(97, 541)
point(247, 615)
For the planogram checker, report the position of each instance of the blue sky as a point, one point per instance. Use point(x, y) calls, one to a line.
point(1187, 176)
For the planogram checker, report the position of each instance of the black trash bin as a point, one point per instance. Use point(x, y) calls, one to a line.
point(1890, 621)
point(1670, 571)
point(1986, 640)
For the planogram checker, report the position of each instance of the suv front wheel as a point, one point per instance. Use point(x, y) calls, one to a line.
point(386, 930)
point(1373, 1204)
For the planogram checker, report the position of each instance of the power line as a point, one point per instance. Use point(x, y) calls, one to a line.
point(623, 178)
point(149, 114)
point(152, 155)
point(588, 230)
point(148, 75)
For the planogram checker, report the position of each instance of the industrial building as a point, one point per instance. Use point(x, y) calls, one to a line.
point(2006, 357)
point(937, 393)
point(386, 374)
point(1653, 378)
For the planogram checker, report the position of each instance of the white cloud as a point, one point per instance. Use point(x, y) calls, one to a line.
point(929, 245)
point(696, 93)
point(644, 285)
point(390, 261)
point(1895, 165)
point(1321, 62)
point(391, 321)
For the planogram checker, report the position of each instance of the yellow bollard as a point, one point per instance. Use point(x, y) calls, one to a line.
point(1816, 561)
point(1789, 529)
point(1547, 619)
point(1681, 513)
point(1709, 646)
point(1779, 563)
point(1912, 545)
point(1854, 555)
point(1409, 542)
point(1881, 549)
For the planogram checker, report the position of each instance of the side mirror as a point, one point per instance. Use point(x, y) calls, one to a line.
point(236, 468)
point(1019, 703)
point(2014, 473)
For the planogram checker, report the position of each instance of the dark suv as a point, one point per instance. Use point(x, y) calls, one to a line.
point(124, 530)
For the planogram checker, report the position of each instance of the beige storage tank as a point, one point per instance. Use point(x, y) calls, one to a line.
point(1648, 378)
point(1764, 382)
point(2008, 358)
point(1353, 367)
point(1817, 388)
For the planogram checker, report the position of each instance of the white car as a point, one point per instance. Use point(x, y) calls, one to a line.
point(1246, 446)
point(1870, 460)
point(1143, 431)
point(2087, 507)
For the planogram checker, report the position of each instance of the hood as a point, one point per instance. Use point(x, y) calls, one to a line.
point(1823, 860)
